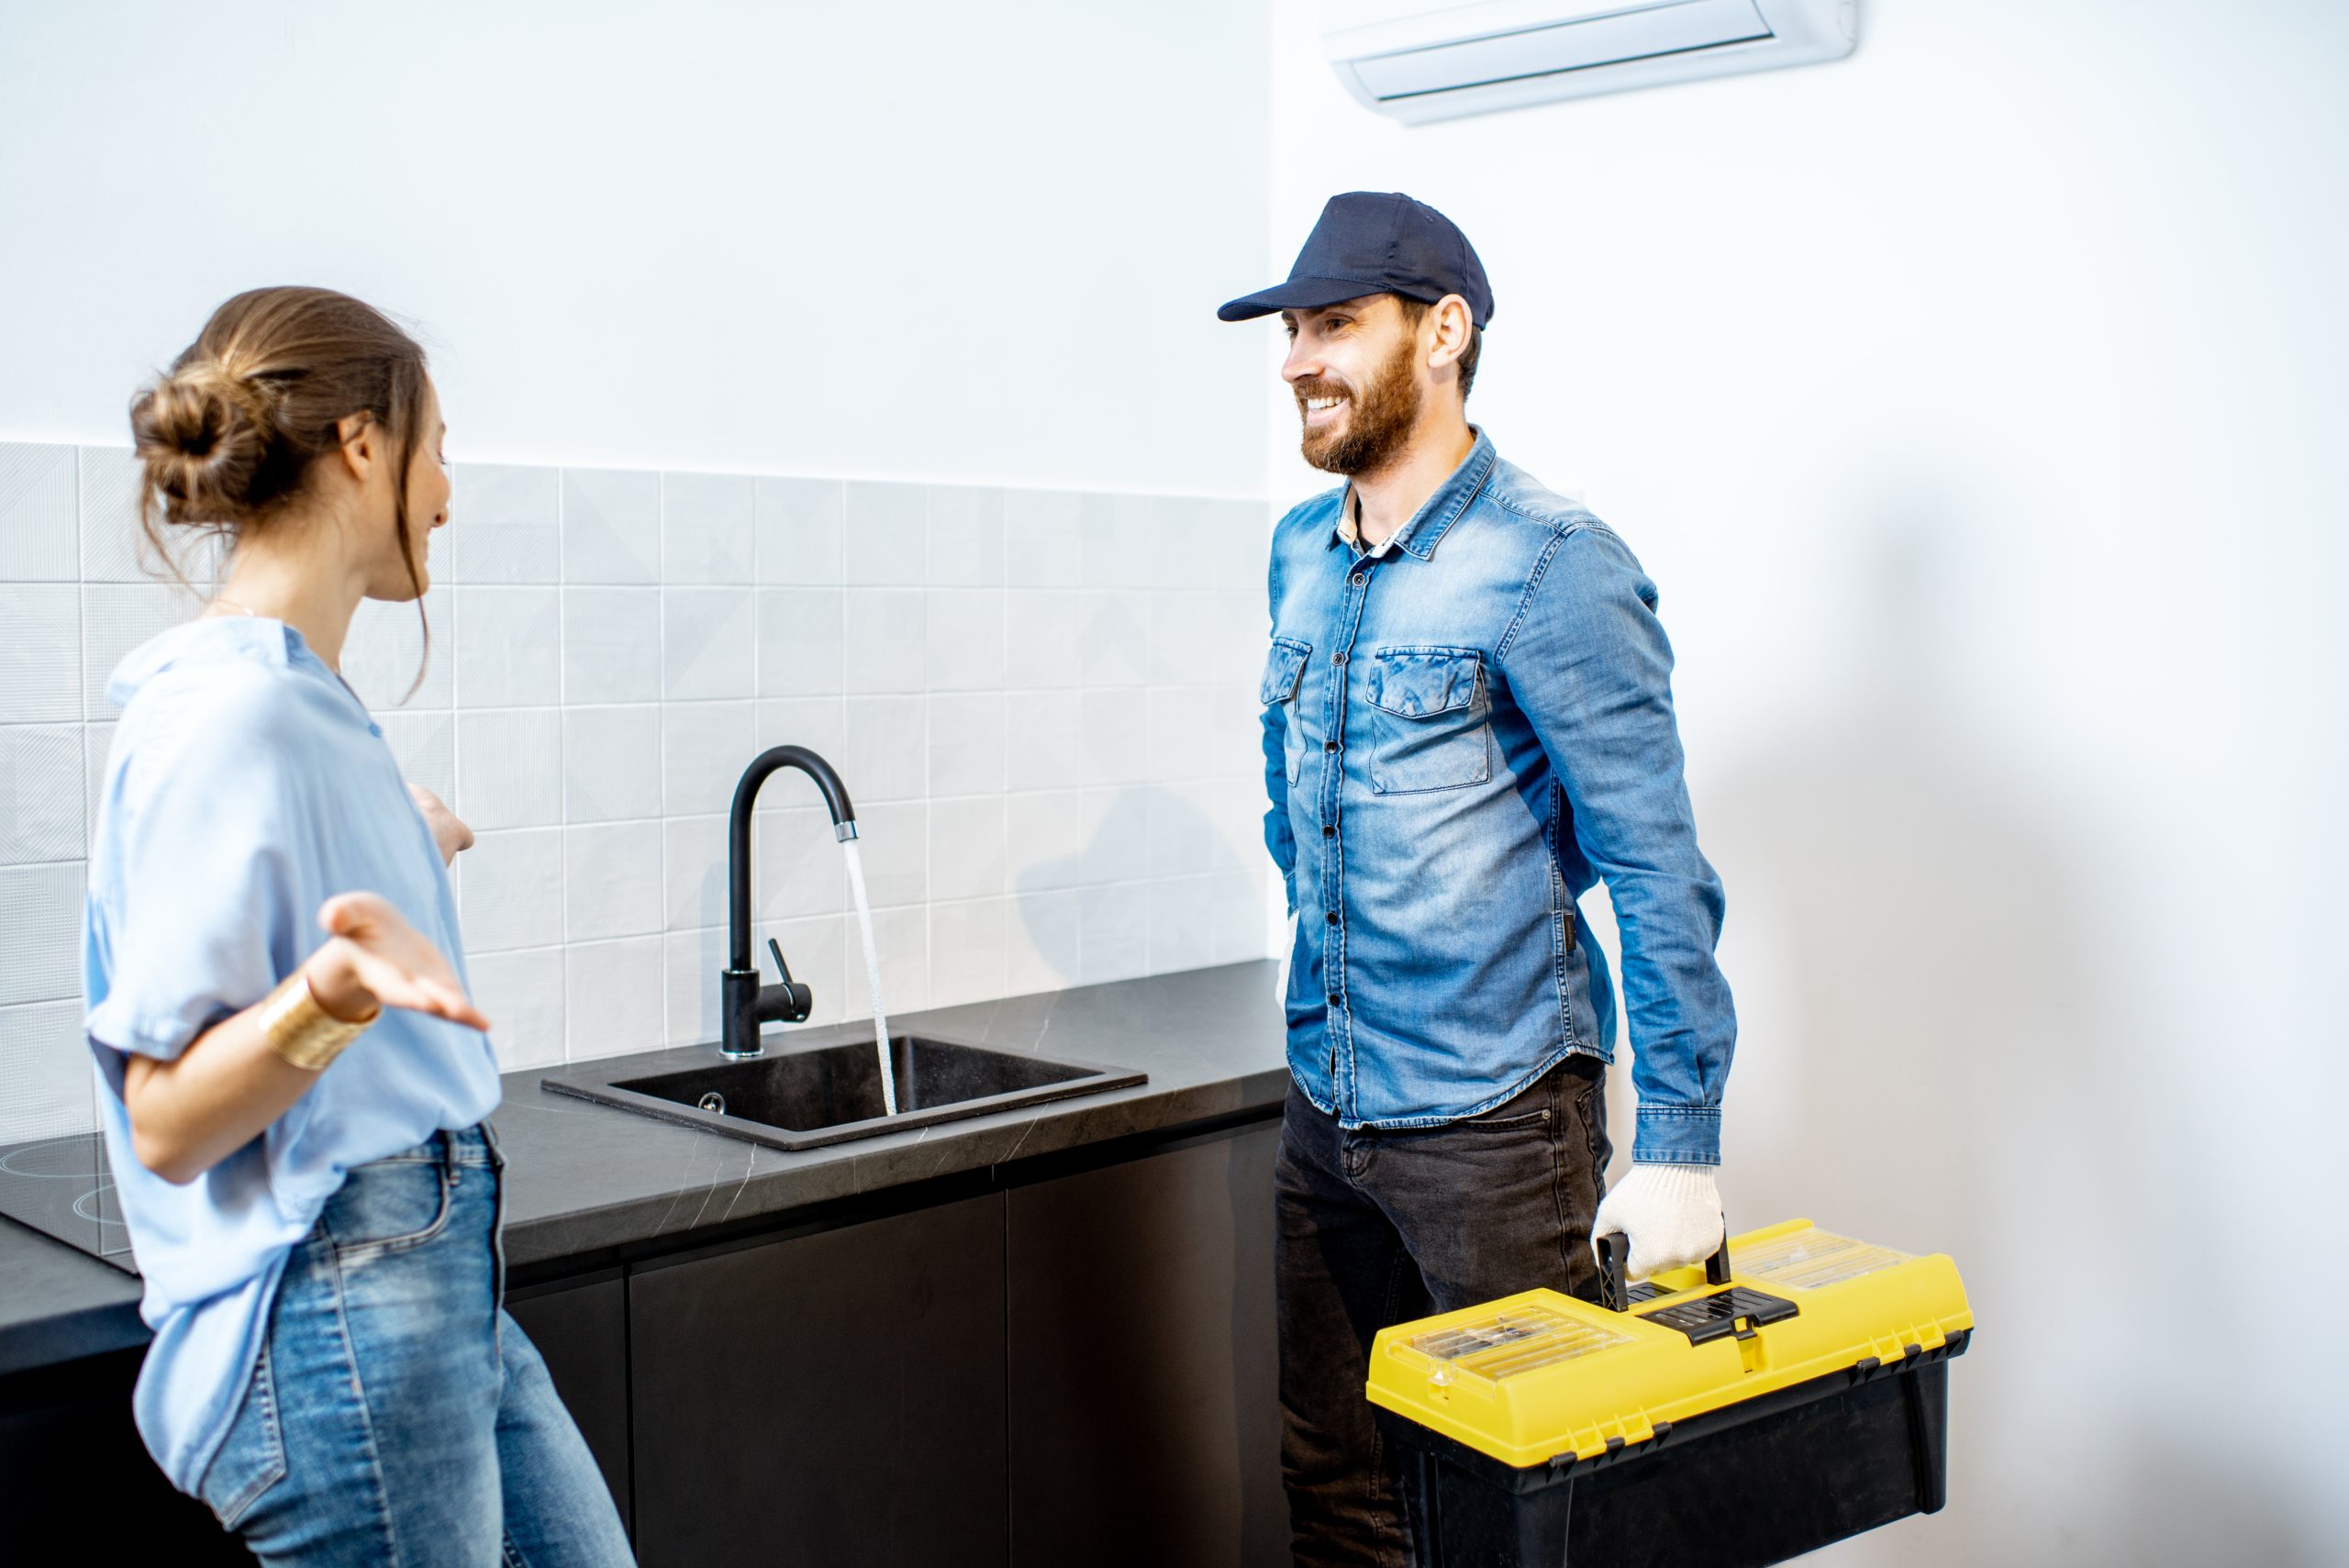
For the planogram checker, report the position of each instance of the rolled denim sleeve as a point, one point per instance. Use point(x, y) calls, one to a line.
point(1588, 662)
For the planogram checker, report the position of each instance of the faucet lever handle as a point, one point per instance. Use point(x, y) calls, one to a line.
point(780, 967)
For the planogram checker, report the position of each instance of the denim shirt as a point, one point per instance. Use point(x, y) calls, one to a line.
point(1460, 737)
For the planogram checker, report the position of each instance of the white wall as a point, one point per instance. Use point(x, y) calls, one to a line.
point(1970, 400)
point(916, 240)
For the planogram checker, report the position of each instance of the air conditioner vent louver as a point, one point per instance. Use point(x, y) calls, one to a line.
point(1495, 54)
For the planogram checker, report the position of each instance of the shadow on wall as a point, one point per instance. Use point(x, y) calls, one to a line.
point(1110, 926)
point(1933, 1069)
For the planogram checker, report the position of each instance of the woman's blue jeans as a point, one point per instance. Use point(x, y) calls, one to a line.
point(396, 1415)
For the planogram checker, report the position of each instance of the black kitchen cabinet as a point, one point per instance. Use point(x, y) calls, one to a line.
point(581, 1328)
point(833, 1397)
point(76, 1484)
point(1142, 1368)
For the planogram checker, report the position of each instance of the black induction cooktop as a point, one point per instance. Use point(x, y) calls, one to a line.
point(62, 1187)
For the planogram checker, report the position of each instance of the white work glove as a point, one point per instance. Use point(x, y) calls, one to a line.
point(1670, 1214)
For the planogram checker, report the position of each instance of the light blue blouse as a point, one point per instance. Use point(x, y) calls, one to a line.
point(248, 785)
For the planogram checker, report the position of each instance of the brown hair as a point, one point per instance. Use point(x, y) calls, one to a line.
point(1416, 310)
point(228, 435)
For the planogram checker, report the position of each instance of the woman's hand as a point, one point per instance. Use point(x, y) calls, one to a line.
point(373, 958)
point(448, 831)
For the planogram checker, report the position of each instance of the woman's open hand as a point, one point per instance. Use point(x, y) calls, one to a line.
point(373, 958)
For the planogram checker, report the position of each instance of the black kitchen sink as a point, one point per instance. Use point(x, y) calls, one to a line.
point(832, 1093)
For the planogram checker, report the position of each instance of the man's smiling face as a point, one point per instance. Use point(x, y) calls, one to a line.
point(1355, 370)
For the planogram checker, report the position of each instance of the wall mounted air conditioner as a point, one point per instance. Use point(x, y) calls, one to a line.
point(1419, 61)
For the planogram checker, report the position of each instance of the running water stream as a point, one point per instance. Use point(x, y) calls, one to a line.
point(872, 975)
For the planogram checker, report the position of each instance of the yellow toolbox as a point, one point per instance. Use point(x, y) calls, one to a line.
point(1791, 1391)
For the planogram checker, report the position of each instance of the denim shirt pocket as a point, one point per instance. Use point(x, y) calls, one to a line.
point(1428, 719)
point(1284, 669)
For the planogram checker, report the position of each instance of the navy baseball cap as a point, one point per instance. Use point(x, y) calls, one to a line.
point(1375, 242)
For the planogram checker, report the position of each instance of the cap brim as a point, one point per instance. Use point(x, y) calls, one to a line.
point(1296, 294)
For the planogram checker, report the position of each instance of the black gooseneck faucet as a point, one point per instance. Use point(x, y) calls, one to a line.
point(745, 1003)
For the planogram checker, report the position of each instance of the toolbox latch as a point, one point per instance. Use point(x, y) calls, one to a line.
point(1738, 1311)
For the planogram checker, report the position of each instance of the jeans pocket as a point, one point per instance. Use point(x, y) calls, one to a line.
point(252, 1456)
point(388, 1207)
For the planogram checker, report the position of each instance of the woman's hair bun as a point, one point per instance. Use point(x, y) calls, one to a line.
point(203, 435)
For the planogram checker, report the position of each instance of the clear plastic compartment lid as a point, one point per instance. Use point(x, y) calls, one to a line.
point(1520, 1340)
point(1810, 1259)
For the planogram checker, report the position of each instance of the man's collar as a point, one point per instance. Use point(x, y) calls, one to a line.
point(1436, 515)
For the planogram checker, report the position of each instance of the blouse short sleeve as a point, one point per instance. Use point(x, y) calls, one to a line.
point(195, 910)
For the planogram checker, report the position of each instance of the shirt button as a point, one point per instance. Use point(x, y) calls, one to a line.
point(1337, 658)
point(1331, 917)
point(1333, 1000)
point(1359, 579)
point(1328, 832)
point(1328, 745)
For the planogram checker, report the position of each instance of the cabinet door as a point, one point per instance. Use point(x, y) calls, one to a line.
point(834, 1399)
point(582, 1331)
point(1145, 1400)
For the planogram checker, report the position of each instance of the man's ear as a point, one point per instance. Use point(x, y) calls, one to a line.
point(1449, 323)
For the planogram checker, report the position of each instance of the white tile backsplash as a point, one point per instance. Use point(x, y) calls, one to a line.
point(884, 752)
point(613, 996)
point(45, 1064)
point(1039, 638)
point(967, 743)
point(966, 847)
point(611, 763)
point(887, 640)
point(1041, 546)
point(708, 639)
point(1041, 749)
point(966, 536)
point(510, 895)
point(611, 645)
point(611, 527)
point(40, 931)
point(704, 748)
point(41, 652)
point(964, 638)
point(41, 790)
point(509, 767)
point(887, 533)
point(508, 646)
point(611, 880)
point(39, 537)
point(708, 533)
point(800, 868)
point(1042, 703)
point(505, 524)
point(801, 647)
point(797, 523)
point(520, 994)
point(116, 618)
point(387, 660)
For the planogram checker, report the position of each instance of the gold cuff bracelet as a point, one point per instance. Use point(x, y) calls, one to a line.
point(300, 1030)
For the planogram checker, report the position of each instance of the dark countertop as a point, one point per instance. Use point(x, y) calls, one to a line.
point(591, 1183)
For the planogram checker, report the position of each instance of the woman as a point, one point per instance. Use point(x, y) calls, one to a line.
point(296, 1081)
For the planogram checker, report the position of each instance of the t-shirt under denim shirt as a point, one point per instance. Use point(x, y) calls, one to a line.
point(247, 786)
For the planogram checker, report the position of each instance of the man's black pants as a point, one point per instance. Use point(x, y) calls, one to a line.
point(1379, 1227)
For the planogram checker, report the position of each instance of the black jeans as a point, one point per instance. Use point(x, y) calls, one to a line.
point(1380, 1228)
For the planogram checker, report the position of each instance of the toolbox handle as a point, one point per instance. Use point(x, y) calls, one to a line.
point(1614, 1261)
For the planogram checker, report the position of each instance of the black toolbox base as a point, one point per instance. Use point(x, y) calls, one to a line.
point(1754, 1483)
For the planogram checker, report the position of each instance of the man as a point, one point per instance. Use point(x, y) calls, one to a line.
point(1467, 722)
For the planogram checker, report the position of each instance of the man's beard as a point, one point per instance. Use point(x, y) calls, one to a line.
point(1378, 424)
